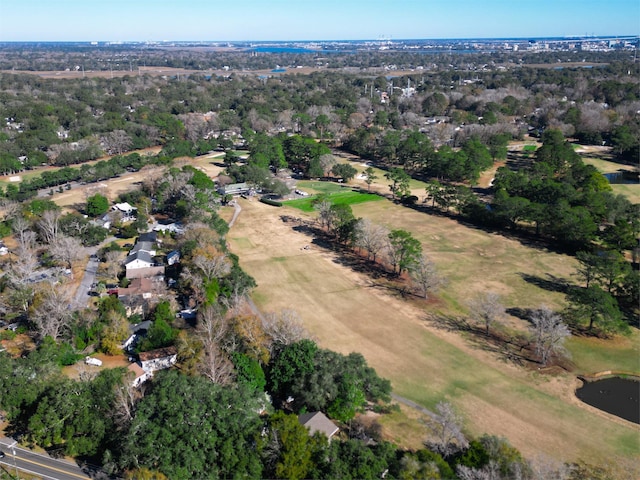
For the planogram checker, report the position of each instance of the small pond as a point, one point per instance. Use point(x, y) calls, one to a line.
point(615, 395)
point(622, 177)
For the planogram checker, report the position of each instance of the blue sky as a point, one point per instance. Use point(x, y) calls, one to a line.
point(156, 20)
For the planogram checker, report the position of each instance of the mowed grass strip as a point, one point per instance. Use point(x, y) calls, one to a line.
point(348, 311)
point(337, 198)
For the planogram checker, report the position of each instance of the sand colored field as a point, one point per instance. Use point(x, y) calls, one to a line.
point(346, 311)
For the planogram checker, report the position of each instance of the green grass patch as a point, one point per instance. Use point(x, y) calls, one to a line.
point(347, 197)
point(529, 148)
point(320, 187)
point(592, 355)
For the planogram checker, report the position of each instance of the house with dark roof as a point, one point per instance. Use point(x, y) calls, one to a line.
point(148, 247)
point(148, 237)
point(136, 332)
point(318, 422)
point(158, 359)
point(173, 257)
point(140, 259)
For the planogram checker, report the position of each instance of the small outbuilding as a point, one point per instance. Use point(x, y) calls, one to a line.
point(318, 422)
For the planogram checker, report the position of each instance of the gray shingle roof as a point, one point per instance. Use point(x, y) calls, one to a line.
point(318, 422)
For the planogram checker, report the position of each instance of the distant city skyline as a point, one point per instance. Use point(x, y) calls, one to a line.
point(321, 20)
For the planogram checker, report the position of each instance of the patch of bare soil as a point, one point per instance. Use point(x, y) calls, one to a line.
point(81, 370)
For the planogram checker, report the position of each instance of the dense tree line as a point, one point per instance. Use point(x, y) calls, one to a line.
point(219, 432)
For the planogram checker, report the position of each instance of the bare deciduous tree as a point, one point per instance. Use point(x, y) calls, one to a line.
point(447, 427)
point(66, 249)
point(425, 276)
point(486, 309)
point(116, 142)
point(212, 265)
point(22, 230)
point(550, 333)
point(112, 262)
point(371, 237)
point(546, 468)
point(52, 312)
point(464, 472)
point(327, 161)
point(195, 126)
point(20, 291)
point(125, 398)
point(284, 328)
point(49, 226)
point(213, 329)
point(325, 215)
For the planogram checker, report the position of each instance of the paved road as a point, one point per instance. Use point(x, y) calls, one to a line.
point(32, 463)
point(89, 277)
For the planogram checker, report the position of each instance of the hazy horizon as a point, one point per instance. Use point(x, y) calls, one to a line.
point(330, 20)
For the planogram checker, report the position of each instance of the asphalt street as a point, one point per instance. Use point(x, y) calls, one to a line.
point(41, 465)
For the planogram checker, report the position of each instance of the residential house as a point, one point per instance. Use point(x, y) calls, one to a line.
point(173, 257)
point(141, 294)
point(176, 228)
point(234, 189)
point(138, 375)
point(138, 286)
point(148, 237)
point(318, 422)
point(144, 247)
point(136, 331)
point(140, 259)
point(145, 272)
point(158, 359)
point(124, 208)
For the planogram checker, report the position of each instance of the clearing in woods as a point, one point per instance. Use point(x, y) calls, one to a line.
point(346, 310)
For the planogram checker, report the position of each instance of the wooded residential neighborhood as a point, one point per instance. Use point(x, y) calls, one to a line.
point(345, 271)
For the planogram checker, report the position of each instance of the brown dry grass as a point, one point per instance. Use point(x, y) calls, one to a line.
point(346, 311)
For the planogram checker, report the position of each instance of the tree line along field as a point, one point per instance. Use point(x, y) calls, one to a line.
point(406, 342)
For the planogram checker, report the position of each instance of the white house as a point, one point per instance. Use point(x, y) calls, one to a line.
point(158, 359)
point(173, 257)
point(170, 227)
point(124, 208)
point(138, 375)
point(138, 260)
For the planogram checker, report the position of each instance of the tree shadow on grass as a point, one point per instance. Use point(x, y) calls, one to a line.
point(346, 256)
point(510, 348)
point(521, 313)
point(549, 282)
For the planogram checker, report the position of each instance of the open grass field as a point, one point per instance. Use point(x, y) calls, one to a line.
point(347, 310)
